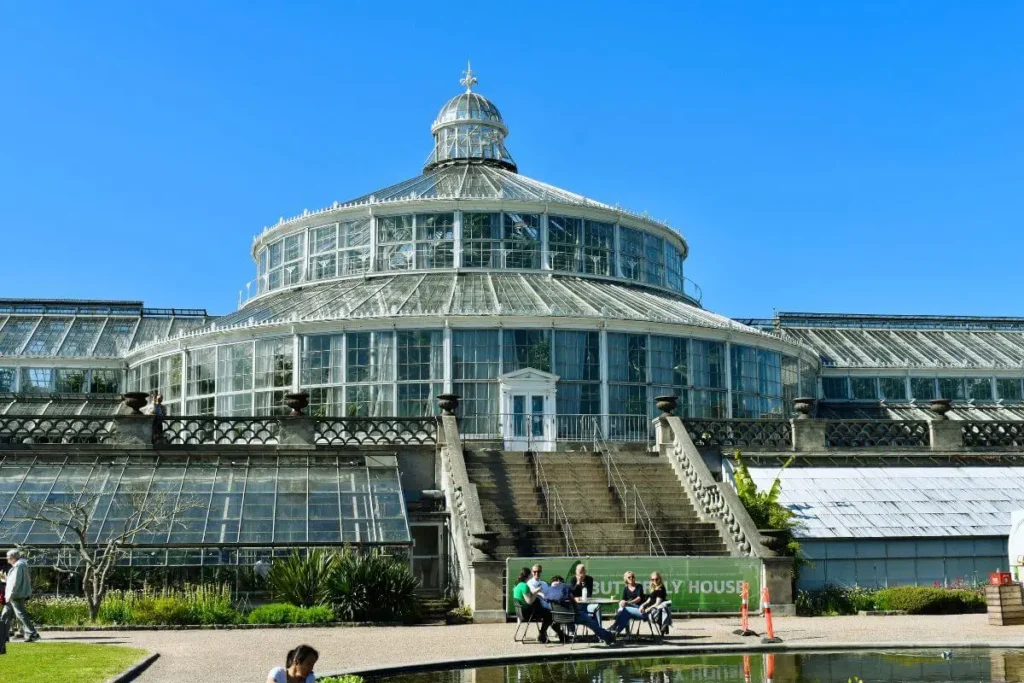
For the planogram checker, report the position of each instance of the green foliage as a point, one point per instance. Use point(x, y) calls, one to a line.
point(374, 587)
point(303, 580)
point(927, 600)
point(66, 611)
point(764, 507)
point(834, 600)
point(459, 615)
point(65, 662)
point(284, 613)
point(347, 678)
point(191, 605)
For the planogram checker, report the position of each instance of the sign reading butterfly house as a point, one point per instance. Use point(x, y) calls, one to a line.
point(693, 584)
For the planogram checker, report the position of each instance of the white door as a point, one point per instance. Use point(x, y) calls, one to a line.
point(528, 410)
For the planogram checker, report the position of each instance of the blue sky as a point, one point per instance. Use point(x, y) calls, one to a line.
point(825, 156)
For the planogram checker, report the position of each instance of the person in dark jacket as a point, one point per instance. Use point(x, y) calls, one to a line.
point(559, 593)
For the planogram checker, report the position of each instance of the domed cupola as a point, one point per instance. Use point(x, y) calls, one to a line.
point(469, 128)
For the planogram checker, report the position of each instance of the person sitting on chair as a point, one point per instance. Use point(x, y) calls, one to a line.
point(581, 581)
point(530, 605)
point(655, 596)
point(560, 593)
point(629, 606)
point(538, 584)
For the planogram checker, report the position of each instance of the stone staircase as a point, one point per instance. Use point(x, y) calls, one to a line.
point(513, 505)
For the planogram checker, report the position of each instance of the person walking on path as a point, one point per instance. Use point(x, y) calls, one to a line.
point(17, 591)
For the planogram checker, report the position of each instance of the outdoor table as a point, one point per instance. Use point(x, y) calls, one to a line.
point(600, 602)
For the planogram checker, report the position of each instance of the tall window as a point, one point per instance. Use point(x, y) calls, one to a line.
point(420, 371)
point(369, 373)
point(202, 381)
point(395, 249)
point(234, 379)
point(669, 370)
point(673, 268)
point(522, 241)
point(756, 382)
point(339, 249)
point(631, 255)
point(475, 358)
point(627, 374)
point(598, 248)
point(709, 394)
point(564, 238)
point(272, 377)
point(481, 240)
point(578, 366)
point(283, 265)
point(7, 380)
point(526, 349)
point(435, 240)
point(655, 256)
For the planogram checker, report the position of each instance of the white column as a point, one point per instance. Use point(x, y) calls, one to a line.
point(605, 409)
point(296, 361)
point(184, 381)
point(447, 346)
point(457, 232)
point(373, 243)
point(618, 247)
point(545, 261)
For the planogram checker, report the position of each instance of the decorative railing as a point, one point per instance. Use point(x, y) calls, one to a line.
point(363, 431)
point(872, 433)
point(984, 434)
point(750, 434)
point(707, 494)
point(54, 429)
point(221, 430)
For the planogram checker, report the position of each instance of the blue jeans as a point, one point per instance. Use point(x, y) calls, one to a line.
point(627, 614)
point(584, 617)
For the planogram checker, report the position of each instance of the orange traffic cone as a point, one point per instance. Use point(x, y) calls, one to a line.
point(744, 629)
point(769, 627)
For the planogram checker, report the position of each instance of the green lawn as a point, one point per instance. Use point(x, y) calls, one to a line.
point(65, 662)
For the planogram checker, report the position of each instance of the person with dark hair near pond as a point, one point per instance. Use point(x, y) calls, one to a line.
point(531, 606)
point(298, 667)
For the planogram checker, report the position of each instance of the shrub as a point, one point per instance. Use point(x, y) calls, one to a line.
point(69, 611)
point(374, 587)
point(926, 600)
point(303, 580)
point(190, 605)
point(284, 613)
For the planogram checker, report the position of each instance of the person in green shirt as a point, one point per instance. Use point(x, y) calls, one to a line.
point(526, 596)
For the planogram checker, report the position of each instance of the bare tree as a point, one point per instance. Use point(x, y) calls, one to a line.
point(92, 542)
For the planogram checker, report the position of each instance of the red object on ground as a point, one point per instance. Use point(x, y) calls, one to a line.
point(1000, 578)
point(745, 618)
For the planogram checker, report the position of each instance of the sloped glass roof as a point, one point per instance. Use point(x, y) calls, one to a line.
point(223, 501)
point(896, 502)
point(475, 294)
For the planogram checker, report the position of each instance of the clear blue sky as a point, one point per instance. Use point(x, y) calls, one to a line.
point(824, 156)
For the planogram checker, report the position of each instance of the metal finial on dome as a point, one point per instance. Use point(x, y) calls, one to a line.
point(468, 79)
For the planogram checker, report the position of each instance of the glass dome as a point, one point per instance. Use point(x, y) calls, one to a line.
point(469, 128)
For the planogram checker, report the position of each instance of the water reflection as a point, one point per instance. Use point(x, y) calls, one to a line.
point(906, 666)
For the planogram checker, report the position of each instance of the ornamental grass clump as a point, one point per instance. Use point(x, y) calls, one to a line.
point(188, 606)
point(59, 611)
point(284, 613)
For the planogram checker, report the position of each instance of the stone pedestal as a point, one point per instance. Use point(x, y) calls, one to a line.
point(297, 431)
point(133, 430)
point(945, 435)
point(488, 596)
point(1005, 604)
point(778, 576)
point(808, 434)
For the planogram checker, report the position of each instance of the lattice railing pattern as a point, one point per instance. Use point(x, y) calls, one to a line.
point(993, 434)
point(68, 429)
point(868, 433)
point(707, 433)
point(221, 430)
point(358, 431)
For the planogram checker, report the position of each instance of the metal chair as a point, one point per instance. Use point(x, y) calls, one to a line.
point(565, 617)
point(523, 621)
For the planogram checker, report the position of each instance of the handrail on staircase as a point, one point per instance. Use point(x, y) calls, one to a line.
point(618, 484)
point(553, 506)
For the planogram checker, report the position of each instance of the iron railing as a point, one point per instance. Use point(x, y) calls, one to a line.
point(709, 433)
point(55, 429)
point(872, 433)
point(259, 431)
point(626, 493)
point(554, 510)
point(363, 431)
point(992, 434)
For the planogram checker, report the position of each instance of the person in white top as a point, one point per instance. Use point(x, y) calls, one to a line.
point(298, 667)
point(537, 585)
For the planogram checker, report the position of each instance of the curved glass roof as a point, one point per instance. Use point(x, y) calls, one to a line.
point(476, 181)
point(476, 294)
point(468, 106)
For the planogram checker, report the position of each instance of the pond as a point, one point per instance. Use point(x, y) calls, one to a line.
point(906, 666)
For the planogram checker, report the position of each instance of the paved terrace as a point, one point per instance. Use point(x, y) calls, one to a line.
point(247, 655)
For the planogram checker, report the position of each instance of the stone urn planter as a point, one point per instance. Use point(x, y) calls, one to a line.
point(940, 406)
point(774, 539)
point(666, 404)
point(297, 402)
point(135, 400)
point(448, 403)
point(802, 407)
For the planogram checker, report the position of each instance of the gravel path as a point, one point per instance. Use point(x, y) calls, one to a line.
point(247, 655)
